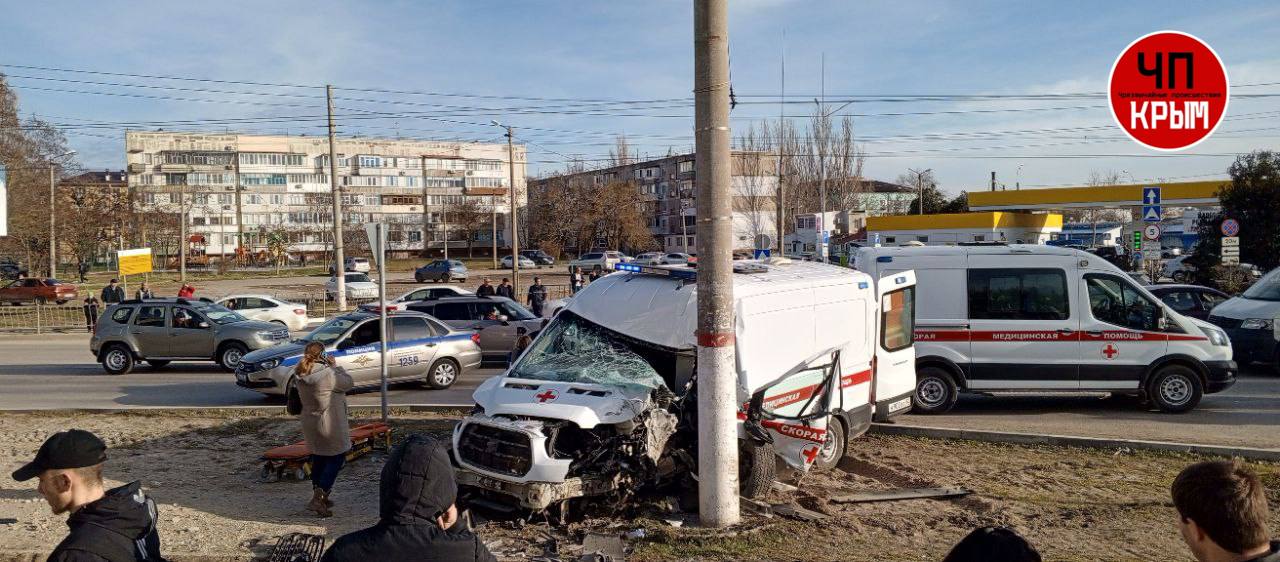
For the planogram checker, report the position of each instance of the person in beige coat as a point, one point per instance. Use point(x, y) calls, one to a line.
point(322, 389)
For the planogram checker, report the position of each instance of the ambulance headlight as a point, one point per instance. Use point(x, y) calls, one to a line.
point(1256, 324)
point(1216, 336)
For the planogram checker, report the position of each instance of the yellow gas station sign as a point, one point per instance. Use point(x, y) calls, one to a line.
point(134, 261)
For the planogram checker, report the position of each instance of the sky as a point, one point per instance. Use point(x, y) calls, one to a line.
point(570, 76)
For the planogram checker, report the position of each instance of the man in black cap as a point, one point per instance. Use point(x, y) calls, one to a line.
point(106, 525)
point(112, 293)
point(418, 520)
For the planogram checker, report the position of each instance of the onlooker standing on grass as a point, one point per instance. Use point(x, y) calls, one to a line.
point(537, 296)
point(993, 544)
point(1222, 513)
point(106, 525)
point(417, 518)
point(112, 293)
point(576, 280)
point(144, 292)
point(485, 289)
point(506, 290)
point(91, 305)
point(322, 390)
point(186, 291)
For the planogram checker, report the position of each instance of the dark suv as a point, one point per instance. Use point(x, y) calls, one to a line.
point(159, 331)
point(494, 318)
point(539, 257)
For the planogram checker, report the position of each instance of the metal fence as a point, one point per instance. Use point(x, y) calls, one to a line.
point(70, 317)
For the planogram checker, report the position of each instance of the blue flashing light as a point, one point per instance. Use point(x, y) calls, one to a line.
point(862, 285)
point(685, 274)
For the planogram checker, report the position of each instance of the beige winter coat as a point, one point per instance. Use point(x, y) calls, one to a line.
point(324, 409)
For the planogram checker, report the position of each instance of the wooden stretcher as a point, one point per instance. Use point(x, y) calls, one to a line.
point(295, 460)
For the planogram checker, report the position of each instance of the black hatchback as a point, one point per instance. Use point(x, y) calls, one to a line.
point(539, 257)
point(1189, 300)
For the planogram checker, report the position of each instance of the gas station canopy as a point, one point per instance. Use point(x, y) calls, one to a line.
point(1174, 194)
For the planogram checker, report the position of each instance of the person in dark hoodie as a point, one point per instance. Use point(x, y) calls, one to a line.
point(116, 525)
point(418, 521)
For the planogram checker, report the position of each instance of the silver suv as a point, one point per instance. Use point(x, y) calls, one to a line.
point(420, 348)
point(159, 331)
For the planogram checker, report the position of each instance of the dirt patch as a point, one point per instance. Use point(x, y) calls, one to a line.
point(202, 468)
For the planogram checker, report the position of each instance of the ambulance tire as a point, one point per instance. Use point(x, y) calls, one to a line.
point(1175, 389)
point(936, 391)
point(833, 448)
point(757, 469)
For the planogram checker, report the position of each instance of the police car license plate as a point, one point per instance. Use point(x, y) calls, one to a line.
point(899, 405)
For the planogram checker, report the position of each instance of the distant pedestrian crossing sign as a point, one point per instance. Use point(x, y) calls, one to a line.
point(1151, 213)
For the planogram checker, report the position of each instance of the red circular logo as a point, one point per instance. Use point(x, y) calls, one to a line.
point(1168, 90)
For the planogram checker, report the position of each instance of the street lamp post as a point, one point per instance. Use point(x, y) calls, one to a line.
point(515, 236)
point(53, 242)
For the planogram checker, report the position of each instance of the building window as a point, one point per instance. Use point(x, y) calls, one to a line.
point(277, 198)
point(322, 179)
point(444, 182)
point(270, 159)
point(370, 162)
point(175, 179)
point(685, 166)
point(484, 164)
point(486, 182)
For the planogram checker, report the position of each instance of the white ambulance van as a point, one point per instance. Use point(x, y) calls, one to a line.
point(996, 317)
point(603, 403)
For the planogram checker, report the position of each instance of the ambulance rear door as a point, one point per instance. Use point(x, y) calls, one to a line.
point(893, 376)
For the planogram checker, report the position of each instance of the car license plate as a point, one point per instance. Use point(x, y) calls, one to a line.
point(492, 484)
point(899, 405)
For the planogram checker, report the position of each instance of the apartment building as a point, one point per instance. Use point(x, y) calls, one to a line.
point(666, 188)
point(239, 189)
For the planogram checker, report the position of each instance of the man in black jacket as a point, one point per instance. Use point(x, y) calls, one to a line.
point(485, 289)
point(106, 525)
point(537, 296)
point(1222, 513)
point(418, 520)
point(112, 293)
point(506, 290)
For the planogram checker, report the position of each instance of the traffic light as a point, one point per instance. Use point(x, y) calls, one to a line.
point(1137, 241)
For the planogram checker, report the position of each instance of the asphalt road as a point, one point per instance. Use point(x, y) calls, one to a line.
point(56, 371)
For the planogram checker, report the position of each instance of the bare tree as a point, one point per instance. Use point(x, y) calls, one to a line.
point(469, 217)
point(621, 153)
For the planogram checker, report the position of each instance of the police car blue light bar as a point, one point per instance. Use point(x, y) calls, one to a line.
point(653, 270)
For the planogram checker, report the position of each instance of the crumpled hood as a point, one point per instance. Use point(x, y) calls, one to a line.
point(417, 483)
point(123, 510)
point(278, 351)
point(587, 405)
point(1241, 308)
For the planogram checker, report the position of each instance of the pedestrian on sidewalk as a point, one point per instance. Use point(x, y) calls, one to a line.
point(91, 305)
point(186, 291)
point(417, 517)
point(322, 390)
point(576, 279)
point(112, 293)
point(485, 289)
point(144, 292)
point(537, 296)
point(105, 525)
point(1223, 514)
point(506, 290)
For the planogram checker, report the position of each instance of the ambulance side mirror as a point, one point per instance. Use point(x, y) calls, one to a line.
point(1162, 322)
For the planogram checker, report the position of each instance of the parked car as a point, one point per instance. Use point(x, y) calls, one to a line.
point(441, 271)
point(36, 289)
point(160, 331)
point(1250, 321)
point(539, 257)
point(679, 258)
point(267, 308)
point(354, 264)
point(11, 270)
point(599, 261)
point(494, 318)
point(525, 263)
point(1180, 271)
point(1189, 300)
point(358, 286)
point(426, 293)
point(421, 349)
point(649, 258)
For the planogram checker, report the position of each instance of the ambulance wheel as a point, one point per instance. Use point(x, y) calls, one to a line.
point(833, 448)
point(757, 469)
point(1175, 389)
point(936, 391)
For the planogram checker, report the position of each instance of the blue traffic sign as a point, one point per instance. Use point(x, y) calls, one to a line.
point(1230, 227)
point(762, 253)
point(1151, 213)
point(1151, 196)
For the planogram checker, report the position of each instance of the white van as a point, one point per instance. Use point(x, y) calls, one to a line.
point(604, 401)
point(997, 317)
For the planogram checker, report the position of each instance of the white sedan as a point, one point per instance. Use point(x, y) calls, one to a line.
point(358, 286)
point(525, 263)
point(268, 309)
point(649, 258)
point(423, 293)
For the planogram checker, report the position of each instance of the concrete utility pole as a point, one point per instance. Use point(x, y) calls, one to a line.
point(426, 213)
point(782, 120)
point(515, 235)
point(182, 233)
point(822, 164)
point(339, 269)
point(235, 159)
point(919, 188)
point(53, 246)
point(717, 384)
point(493, 228)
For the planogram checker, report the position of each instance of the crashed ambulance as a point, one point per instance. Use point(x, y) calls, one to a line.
point(603, 403)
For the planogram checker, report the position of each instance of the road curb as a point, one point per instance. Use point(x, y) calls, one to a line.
point(251, 409)
point(1018, 438)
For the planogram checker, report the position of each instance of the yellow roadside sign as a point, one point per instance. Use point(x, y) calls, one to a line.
point(134, 261)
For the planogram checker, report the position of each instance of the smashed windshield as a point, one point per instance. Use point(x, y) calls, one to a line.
point(573, 349)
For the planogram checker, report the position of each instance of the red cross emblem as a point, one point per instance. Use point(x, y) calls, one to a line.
point(1110, 351)
point(809, 453)
point(546, 396)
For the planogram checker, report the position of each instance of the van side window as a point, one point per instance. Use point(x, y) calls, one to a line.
point(1114, 301)
point(1018, 294)
point(898, 319)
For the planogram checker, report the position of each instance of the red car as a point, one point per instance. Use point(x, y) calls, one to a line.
point(38, 290)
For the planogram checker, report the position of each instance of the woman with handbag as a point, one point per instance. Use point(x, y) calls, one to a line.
point(321, 402)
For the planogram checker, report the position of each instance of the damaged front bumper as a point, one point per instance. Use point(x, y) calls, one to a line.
point(538, 496)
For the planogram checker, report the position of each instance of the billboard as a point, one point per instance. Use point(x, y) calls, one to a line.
point(133, 262)
point(4, 203)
